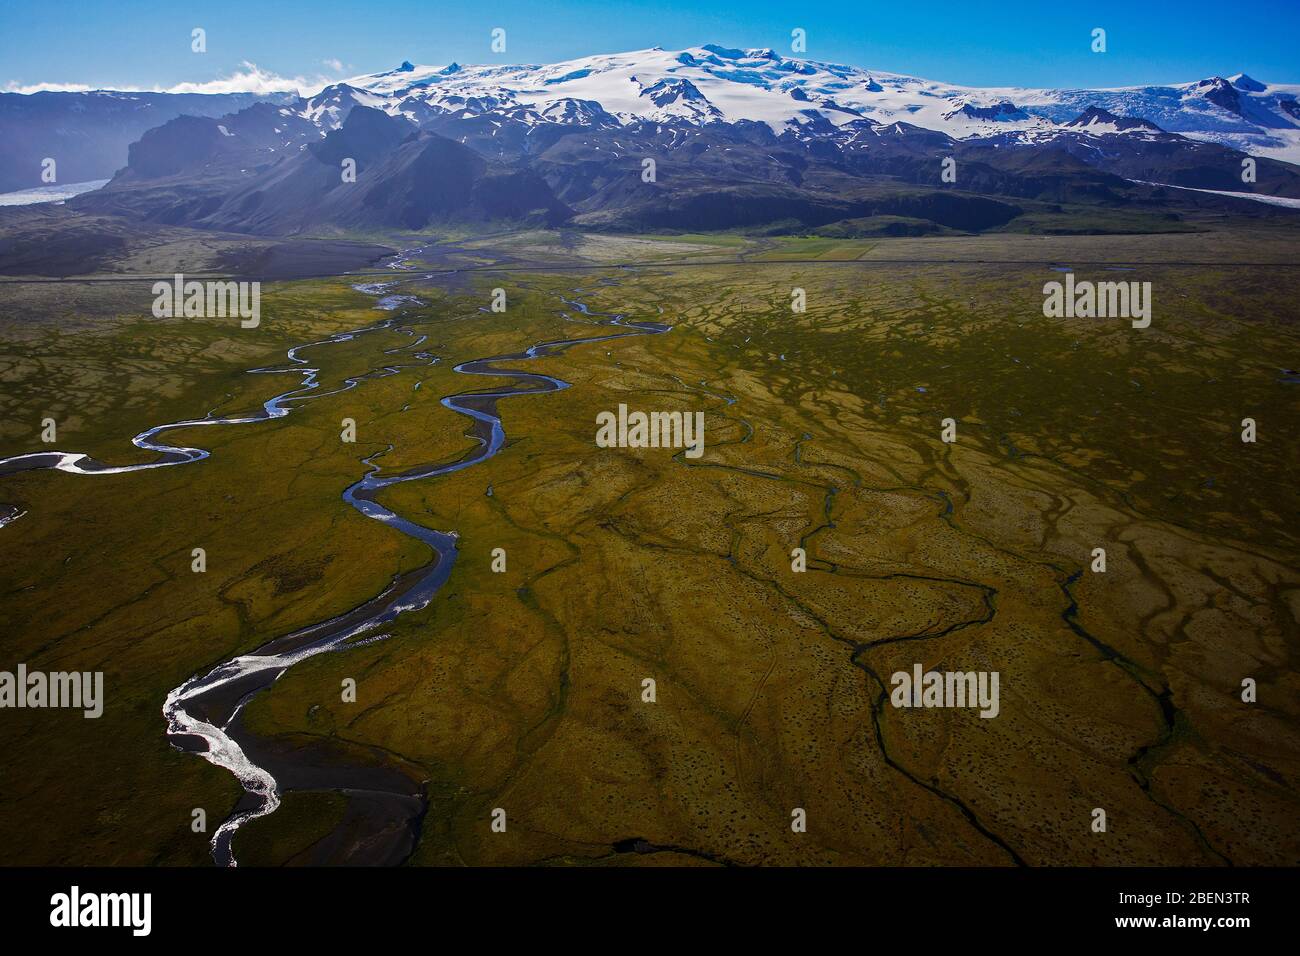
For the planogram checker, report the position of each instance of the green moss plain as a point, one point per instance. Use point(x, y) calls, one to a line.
point(522, 690)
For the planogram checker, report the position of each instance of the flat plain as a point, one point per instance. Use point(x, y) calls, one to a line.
point(522, 689)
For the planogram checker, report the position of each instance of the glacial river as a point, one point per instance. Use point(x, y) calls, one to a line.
point(204, 714)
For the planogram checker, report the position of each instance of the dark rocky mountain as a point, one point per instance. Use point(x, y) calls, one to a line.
point(998, 111)
point(1094, 117)
point(88, 134)
point(405, 178)
point(1221, 93)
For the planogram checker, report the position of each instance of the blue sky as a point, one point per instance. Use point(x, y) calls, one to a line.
point(141, 43)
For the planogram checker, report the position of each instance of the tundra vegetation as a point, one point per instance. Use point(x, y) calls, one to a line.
point(523, 689)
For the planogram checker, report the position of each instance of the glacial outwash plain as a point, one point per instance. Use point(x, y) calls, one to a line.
point(523, 689)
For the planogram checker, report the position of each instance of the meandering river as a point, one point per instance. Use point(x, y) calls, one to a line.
point(204, 714)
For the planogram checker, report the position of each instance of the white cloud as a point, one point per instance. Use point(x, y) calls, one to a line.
point(335, 65)
point(13, 86)
point(249, 78)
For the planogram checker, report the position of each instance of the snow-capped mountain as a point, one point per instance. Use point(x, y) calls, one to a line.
point(741, 139)
point(714, 83)
point(694, 87)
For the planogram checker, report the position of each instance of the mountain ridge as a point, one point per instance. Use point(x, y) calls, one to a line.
point(708, 83)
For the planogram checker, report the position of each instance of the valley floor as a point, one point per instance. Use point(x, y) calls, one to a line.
point(523, 689)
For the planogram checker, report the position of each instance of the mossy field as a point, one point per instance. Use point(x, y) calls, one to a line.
point(523, 689)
